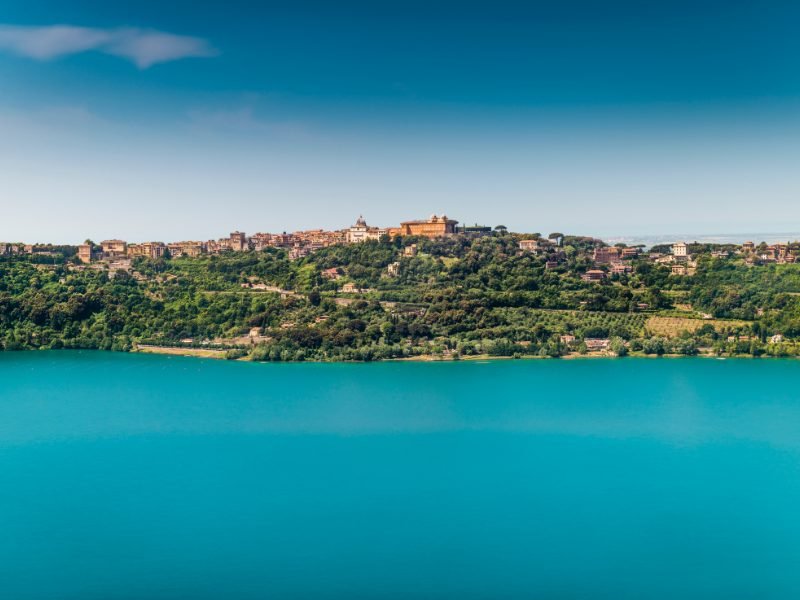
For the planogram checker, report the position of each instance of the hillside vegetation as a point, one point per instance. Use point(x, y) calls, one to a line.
point(455, 297)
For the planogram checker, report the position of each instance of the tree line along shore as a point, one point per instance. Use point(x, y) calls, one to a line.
point(408, 297)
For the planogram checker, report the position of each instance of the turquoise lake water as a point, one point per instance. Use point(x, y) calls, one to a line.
point(132, 476)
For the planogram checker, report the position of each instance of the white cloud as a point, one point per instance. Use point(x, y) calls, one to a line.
point(244, 120)
point(143, 47)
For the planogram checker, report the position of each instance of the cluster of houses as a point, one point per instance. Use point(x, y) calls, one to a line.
point(608, 260)
point(7, 249)
point(776, 253)
point(616, 260)
point(298, 244)
point(752, 254)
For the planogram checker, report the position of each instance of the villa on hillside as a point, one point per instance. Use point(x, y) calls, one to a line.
point(594, 275)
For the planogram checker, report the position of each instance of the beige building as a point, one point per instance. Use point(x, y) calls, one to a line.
point(621, 269)
point(594, 275)
point(114, 249)
point(191, 249)
point(436, 226)
point(238, 241)
point(147, 250)
point(85, 253)
point(529, 245)
point(606, 255)
point(597, 344)
point(679, 269)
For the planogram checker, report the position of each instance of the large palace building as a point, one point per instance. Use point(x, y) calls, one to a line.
point(436, 226)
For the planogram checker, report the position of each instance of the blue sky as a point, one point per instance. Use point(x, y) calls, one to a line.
point(175, 120)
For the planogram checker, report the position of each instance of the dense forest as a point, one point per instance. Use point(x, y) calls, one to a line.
point(453, 297)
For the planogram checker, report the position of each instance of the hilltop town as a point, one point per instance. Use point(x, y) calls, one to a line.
point(614, 259)
point(427, 288)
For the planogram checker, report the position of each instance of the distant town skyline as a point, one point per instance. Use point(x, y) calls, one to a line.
point(179, 120)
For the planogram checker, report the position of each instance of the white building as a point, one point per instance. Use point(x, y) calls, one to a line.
point(360, 232)
point(529, 245)
point(679, 249)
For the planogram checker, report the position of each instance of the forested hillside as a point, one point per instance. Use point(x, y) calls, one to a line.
point(451, 297)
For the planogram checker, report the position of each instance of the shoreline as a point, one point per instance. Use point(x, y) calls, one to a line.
point(422, 358)
point(177, 351)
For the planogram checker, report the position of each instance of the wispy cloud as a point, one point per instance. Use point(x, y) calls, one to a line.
point(244, 120)
point(143, 47)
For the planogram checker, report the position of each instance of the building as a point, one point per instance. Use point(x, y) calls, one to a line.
point(147, 250)
point(217, 246)
point(319, 238)
point(113, 249)
point(679, 249)
point(679, 269)
point(606, 255)
point(475, 230)
point(621, 269)
point(361, 232)
point(530, 245)
point(358, 232)
point(352, 288)
point(594, 275)
point(779, 252)
point(38, 249)
point(299, 251)
point(191, 249)
point(597, 344)
point(332, 273)
point(410, 250)
point(85, 253)
point(281, 240)
point(748, 247)
point(393, 270)
point(436, 226)
point(238, 241)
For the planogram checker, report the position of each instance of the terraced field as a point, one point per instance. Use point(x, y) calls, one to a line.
point(670, 327)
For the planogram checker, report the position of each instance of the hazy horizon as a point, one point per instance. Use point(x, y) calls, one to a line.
point(186, 121)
